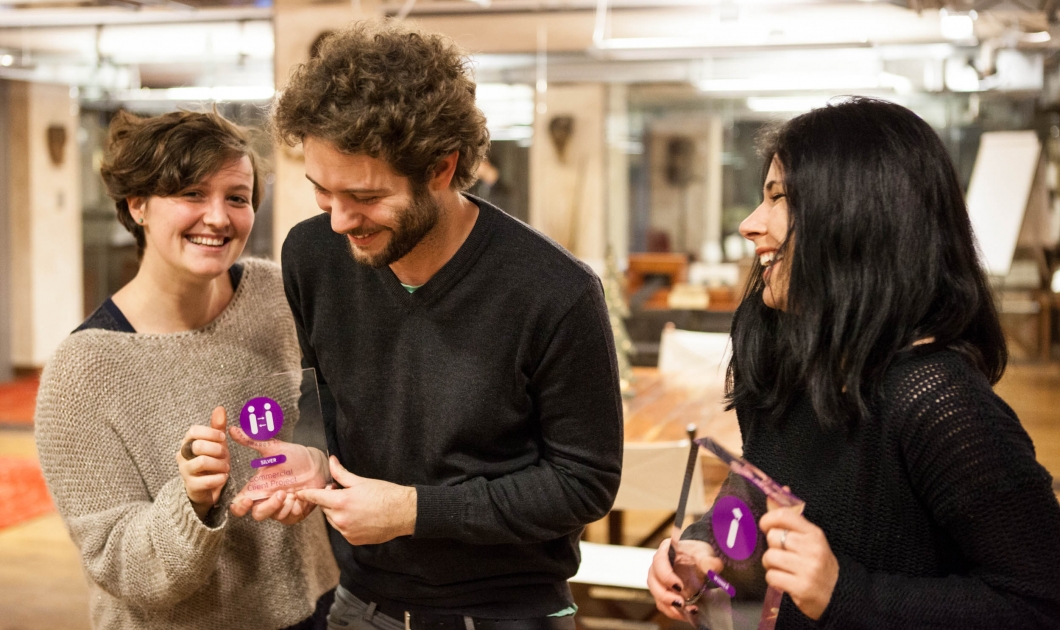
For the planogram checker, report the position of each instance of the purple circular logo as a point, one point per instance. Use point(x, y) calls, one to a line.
point(735, 529)
point(261, 418)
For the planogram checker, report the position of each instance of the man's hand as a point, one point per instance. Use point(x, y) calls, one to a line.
point(365, 511)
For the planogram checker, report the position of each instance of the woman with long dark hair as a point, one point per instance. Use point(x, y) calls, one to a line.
point(863, 359)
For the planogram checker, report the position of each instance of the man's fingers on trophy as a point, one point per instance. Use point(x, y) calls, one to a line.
point(340, 474)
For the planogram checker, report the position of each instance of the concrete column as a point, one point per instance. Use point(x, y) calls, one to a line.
point(567, 184)
point(5, 246)
point(44, 220)
point(296, 25)
point(617, 188)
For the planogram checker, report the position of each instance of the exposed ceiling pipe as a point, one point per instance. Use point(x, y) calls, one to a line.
point(50, 18)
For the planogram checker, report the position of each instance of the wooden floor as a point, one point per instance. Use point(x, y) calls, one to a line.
point(42, 586)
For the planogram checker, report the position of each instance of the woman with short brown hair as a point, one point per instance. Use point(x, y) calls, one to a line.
point(140, 484)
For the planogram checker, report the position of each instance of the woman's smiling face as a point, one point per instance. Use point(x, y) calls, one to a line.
point(203, 229)
point(767, 228)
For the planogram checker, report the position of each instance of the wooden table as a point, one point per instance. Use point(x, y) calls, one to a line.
point(663, 405)
point(661, 408)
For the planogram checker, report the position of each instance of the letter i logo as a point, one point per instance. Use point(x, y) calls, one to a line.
point(734, 528)
point(261, 418)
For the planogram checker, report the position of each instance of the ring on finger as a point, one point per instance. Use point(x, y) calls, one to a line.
point(186, 452)
point(783, 539)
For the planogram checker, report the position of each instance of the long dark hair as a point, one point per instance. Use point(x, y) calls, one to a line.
point(882, 256)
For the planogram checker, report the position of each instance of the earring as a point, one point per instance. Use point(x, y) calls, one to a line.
point(141, 220)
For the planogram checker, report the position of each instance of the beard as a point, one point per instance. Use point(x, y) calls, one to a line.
point(414, 222)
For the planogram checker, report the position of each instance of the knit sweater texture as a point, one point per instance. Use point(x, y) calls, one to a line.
point(493, 389)
point(935, 507)
point(112, 411)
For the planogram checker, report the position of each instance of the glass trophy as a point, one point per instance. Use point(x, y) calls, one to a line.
point(276, 437)
point(737, 597)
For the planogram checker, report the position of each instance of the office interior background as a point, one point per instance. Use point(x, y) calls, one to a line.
point(623, 129)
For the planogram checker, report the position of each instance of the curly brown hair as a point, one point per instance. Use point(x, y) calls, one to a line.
point(384, 90)
point(163, 155)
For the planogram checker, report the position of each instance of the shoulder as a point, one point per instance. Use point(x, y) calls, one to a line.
point(533, 259)
point(261, 272)
point(937, 381)
point(81, 366)
point(262, 302)
point(949, 419)
point(307, 238)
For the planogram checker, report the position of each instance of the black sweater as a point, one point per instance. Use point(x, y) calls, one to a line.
point(936, 508)
point(493, 389)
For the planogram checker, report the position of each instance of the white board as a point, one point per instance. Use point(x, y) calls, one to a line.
point(997, 195)
point(614, 565)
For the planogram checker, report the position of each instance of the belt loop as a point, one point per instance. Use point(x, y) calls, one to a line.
point(469, 623)
point(369, 612)
point(408, 621)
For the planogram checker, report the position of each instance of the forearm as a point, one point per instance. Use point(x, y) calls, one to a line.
point(864, 600)
point(540, 503)
point(151, 554)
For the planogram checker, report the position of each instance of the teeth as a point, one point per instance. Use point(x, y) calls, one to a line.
point(767, 259)
point(204, 240)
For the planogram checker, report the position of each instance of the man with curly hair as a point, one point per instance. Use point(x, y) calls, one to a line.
point(467, 369)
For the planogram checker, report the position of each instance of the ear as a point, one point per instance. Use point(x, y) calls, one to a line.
point(443, 172)
point(137, 207)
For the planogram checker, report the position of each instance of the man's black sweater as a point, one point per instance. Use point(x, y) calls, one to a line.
point(935, 507)
point(493, 389)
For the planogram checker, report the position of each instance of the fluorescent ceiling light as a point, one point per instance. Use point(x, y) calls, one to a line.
point(221, 93)
point(809, 82)
point(956, 26)
point(1040, 37)
point(776, 104)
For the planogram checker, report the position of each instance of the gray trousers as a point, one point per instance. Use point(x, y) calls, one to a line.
point(350, 613)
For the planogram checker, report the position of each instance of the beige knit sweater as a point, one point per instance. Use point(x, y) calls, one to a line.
point(112, 411)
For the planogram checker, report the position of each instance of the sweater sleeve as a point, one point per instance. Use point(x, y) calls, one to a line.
point(575, 390)
point(974, 468)
point(150, 551)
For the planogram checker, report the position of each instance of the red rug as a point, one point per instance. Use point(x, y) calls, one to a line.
point(17, 401)
point(23, 494)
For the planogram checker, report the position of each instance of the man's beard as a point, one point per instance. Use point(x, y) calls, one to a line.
point(414, 222)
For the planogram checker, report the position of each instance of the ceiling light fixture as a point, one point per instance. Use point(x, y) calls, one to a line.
point(956, 26)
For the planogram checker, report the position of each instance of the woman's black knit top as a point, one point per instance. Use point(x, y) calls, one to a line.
point(936, 508)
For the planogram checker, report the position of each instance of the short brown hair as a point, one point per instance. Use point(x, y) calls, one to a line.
point(163, 155)
point(383, 90)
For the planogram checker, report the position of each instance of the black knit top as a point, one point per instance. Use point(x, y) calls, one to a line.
point(936, 509)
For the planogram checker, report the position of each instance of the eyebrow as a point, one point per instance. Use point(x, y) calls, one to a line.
point(358, 191)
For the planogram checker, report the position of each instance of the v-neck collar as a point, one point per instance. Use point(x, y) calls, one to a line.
point(451, 272)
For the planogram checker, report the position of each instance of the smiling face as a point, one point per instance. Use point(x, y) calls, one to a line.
point(203, 229)
point(382, 215)
point(767, 228)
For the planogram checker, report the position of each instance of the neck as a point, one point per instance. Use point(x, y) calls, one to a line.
point(162, 300)
point(457, 217)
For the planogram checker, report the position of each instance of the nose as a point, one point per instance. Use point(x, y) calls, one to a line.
point(217, 212)
point(754, 226)
point(343, 218)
